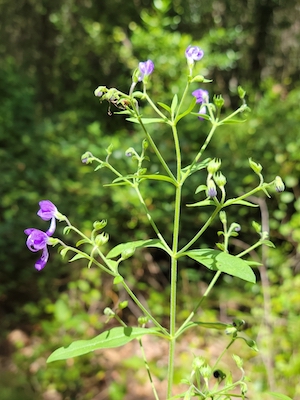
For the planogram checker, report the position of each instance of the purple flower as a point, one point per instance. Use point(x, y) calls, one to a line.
point(193, 53)
point(202, 97)
point(47, 210)
point(38, 240)
point(146, 68)
point(211, 189)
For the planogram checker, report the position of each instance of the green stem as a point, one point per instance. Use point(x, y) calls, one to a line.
point(150, 219)
point(145, 311)
point(202, 230)
point(192, 314)
point(148, 370)
point(156, 151)
point(174, 268)
point(204, 146)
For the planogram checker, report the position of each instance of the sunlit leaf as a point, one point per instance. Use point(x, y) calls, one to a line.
point(116, 251)
point(114, 337)
point(219, 261)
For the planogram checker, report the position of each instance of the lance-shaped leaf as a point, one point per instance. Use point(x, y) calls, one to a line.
point(219, 261)
point(279, 396)
point(146, 121)
point(116, 251)
point(191, 169)
point(114, 337)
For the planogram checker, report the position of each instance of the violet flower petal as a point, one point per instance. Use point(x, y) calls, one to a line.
point(37, 240)
point(47, 210)
point(146, 68)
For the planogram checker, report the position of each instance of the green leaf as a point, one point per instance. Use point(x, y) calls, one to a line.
point(213, 325)
point(146, 121)
point(268, 243)
point(202, 203)
point(200, 188)
point(231, 202)
point(114, 337)
point(219, 261)
point(118, 279)
point(232, 121)
point(77, 257)
point(82, 241)
point(196, 167)
point(165, 106)
point(187, 111)
point(174, 104)
point(156, 177)
point(280, 396)
point(116, 251)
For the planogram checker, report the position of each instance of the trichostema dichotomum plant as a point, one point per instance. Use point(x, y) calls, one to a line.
point(206, 379)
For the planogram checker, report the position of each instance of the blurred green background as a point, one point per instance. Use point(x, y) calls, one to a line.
point(53, 54)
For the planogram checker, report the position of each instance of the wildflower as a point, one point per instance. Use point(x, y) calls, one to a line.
point(37, 239)
point(193, 53)
point(145, 69)
point(202, 97)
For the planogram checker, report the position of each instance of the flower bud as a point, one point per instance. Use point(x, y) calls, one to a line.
point(241, 92)
point(220, 179)
point(127, 253)
point(123, 305)
point(101, 239)
point(100, 91)
point(256, 167)
point(109, 312)
point(142, 320)
point(279, 185)
point(129, 152)
point(211, 189)
point(98, 225)
point(218, 101)
point(222, 216)
point(214, 165)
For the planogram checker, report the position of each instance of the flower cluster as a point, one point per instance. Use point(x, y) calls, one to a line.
point(37, 239)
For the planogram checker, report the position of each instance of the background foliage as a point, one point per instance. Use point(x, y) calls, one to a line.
point(53, 55)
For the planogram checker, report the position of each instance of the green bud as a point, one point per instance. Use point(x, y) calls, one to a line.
point(241, 92)
point(145, 144)
point(214, 165)
point(143, 320)
point(123, 305)
point(220, 179)
point(100, 91)
point(87, 158)
point(108, 312)
point(238, 361)
point(222, 216)
point(279, 185)
point(218, 101)
point(101, 239)
point(198, 362)
point(255, 166)
point(205, 371)
point(109, 149)
point(198, 78)
point(127, 253)
point(98, 225)
point(256, 226)
point(129, 152)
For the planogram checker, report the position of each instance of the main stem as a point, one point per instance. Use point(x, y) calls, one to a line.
point(174, 268)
